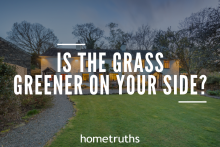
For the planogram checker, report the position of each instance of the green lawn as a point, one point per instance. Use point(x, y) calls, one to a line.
point(158, 120)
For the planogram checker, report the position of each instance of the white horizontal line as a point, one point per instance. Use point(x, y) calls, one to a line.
point(70, 44)
point(192, 101)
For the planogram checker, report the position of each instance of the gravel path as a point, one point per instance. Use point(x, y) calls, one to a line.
point(40, 130)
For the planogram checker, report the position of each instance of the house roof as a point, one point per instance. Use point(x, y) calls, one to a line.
point(49, 69)
point(151, 73)
point(109, 53)
point(14, 46)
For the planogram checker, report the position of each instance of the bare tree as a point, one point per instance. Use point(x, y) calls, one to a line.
point(88, 33)
point(144, 37)
point(117, 37)
point(34, 38)
point(101, 45)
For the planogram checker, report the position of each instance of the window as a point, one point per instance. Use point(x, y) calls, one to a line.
point(166, 64)
point(128, 65)
point(85, 77)
point(86, 63)
point(51, 79)
point(136, 79)
point(143, 63)
point(166, 80)
point(113, 77)
point(112, 63)
point(63, 77)
point(100, 76)
point(141, 78)
point(63, 63)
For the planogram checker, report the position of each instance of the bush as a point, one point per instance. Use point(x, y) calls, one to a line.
point(35, 101)
point(216, 92)
point(213, 80)
point(32, 112)
point(8, 102)
point(7, 73)
point(16, 107)
point(13, 107)
point(33, 67)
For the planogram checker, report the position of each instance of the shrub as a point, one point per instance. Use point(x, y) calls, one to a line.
point(13, 107)
point(213, 80)
point(8, 100)
point(189, 90)
point(33, 67)
point(7, 73)
point(35, 101)
point(32, 112)
point(216, 92)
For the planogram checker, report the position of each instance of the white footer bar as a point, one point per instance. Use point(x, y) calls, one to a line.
point(192, 101)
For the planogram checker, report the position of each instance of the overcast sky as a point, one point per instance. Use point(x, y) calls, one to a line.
point(62, 15)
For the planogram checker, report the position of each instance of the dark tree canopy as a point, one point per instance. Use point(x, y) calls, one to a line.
point(203, 29)
point(34, 38)
point(88, 34)
point(196, 44)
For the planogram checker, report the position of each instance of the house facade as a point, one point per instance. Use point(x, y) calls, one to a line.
point(49, 65)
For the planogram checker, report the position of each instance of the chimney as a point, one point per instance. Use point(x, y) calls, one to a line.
point(123, 47)
point(78, 47)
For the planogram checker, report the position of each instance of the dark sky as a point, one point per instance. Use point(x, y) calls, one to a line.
point(62, 15)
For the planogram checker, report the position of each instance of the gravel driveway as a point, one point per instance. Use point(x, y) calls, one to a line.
point(40, 130)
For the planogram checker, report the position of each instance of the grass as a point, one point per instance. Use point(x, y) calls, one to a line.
point(31, 113)
point(158, 120)
point(4, 131)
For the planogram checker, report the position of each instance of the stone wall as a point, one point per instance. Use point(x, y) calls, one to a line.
point(14, 55)
point(22, 71)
